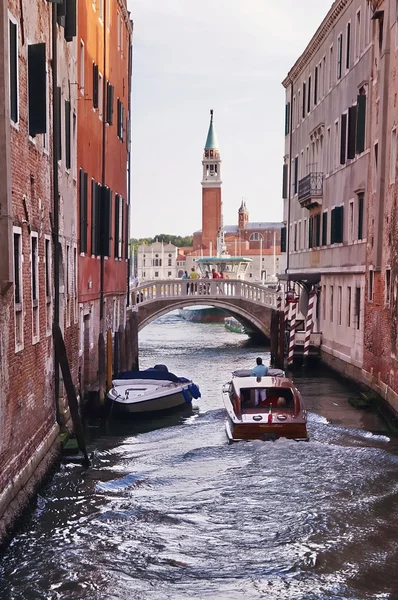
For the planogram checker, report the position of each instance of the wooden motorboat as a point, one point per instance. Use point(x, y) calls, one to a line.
point(263, 408)
point(152, 390)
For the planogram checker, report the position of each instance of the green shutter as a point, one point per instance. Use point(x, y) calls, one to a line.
point(324, 229)
point(70, 20)
point(303, 113)
point(361, 123)
point(316, 87)
point(109, 103)
point(284, 183)
point(83, 182)
point(13, 72)
point(37, 89)
point(287, 119)
point(318, 230)
point(310, 231)
point(333, 226)
point(309, 95)
point(117, 232)
point(283, 239)
point(95, 85)
point(360, 217)
point(343, 139)
point(352, 127)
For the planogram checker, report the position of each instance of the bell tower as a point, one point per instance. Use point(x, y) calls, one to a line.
point(243, 216)
point(211, 192)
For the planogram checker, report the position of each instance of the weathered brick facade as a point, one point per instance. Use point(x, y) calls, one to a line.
point(28, 414)
point(104, 67)
point(381, 316)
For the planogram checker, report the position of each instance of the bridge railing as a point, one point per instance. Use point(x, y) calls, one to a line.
point(207, 289)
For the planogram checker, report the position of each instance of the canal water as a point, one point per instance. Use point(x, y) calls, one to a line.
point(169, 510)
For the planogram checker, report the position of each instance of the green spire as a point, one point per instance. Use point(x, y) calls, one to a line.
point(212, 141)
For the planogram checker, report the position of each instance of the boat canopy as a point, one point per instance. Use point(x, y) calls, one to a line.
point(234, 267)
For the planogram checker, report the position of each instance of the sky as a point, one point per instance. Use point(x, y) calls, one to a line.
point(190, 56)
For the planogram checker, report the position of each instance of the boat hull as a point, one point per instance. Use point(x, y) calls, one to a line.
point(204, 315)
point(164, 403)
point(265, 432)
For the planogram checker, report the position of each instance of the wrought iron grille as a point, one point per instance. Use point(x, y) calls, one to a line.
point(311, 185)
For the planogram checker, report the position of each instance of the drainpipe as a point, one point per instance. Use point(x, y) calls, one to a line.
point(382, 142)
point(56, 121)
point(289, 181)
point(130, 260)
point(103, 177)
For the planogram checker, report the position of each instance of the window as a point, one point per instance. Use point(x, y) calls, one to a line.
point(309, 95)
point(95, 216)
point(82, 56)
point(325, 228)
point(343, 138)
point(100, 96)
point(95, 85)
point(393, 155)
point(361, 122)
point(349, 306)
point(348, 46)
point(375, 163)
point(351, 134)
point(388, 286)
point(323, 76)
point(331, 304)
point(287, 119)
point(351, 221)
point(357, 307)
point(58, 100)
point(67, 134)
point(330, 67)
point(169, 262)
point(305, 235)
point(328, 150)
point(360, 216)
point(358, 35)
point(339, 303)
point(120, 120)
point(337, 225)
point(304, 97)
point(37, 89)
point(48, 283)
point(336, 145)
point(284, 182)
point(295, 238)
point(295, 179)
point(169, 274)
point(67, 286)
point(110, 92)
point(371, 285)
point(316, 86)
point(18, 289)
point(83, 202)
point(324, 302)
point(13, 67)
point(256, 237)
point(339, 55)
point(119, 204)
point(34, 266)
point(299, 236)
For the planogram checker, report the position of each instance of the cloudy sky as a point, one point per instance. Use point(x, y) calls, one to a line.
point(194, 55)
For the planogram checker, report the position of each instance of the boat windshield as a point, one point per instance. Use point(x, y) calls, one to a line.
point(279, 399)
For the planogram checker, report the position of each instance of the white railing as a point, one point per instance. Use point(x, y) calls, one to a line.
point(205, 289)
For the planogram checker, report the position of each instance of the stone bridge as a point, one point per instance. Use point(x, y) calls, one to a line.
point(250, 303)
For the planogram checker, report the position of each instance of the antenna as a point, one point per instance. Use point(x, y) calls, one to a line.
point(211, 113)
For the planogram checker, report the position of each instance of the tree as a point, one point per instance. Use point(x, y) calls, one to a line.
point(176, 240)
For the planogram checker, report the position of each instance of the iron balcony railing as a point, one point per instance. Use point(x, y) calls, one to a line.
point(311, 186)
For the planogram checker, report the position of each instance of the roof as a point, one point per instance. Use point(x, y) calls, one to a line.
point(226, 259)
point(211, 141)
point(253, 227)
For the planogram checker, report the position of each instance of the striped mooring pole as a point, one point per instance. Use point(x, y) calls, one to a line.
point(290, 356)
point(309, 323)
point(279, 303)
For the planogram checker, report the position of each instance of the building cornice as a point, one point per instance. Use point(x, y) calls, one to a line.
point(126, 15)
point(322, 32)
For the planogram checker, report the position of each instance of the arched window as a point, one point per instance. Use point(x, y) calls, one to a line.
point(255, 237)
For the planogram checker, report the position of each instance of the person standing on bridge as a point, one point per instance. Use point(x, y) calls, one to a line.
point(194, 276)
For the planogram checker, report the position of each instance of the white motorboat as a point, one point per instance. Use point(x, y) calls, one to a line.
point(151, 390)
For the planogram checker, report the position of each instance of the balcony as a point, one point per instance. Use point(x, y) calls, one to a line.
point(310, 190)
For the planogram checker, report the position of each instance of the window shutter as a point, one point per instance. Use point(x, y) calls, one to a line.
point(352, 127)
point(316, 87)
point(95, 85)
point(287, 119)
point(296, 175)
point(333, 226)
point(83, 180)
point(361, 122)
point(67, 135)
point(70, 20)
point(126, 231)
point(341, 224)
point(119, 104)
point(117, 233)
point(37, 86)
point(59, 128)
point(283, 239)
point(61, 12)
point(309, 95)
point(105, 220)
point(360, 217)
point(13, 72)
point(109, 103)
point(303, 100)
point(347, 64)
point(318, 230)
point(121, 122)
point(94, 217)
point(343, 139)
point(310, 231)
point(284, 183)
point(324, 229)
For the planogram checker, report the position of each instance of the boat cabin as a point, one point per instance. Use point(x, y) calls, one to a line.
point(266, 394)
point(229, 267)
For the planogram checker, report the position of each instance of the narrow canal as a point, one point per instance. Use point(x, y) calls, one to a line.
point(170, 511)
